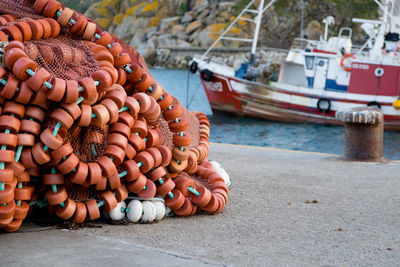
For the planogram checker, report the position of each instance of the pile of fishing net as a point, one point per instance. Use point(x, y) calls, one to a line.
point(84, 127)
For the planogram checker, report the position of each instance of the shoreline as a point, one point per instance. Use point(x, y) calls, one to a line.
point(179, 57)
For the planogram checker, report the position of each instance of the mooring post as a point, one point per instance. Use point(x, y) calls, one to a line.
point(363, 133)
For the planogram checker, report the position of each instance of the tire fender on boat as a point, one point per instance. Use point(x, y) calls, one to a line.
point(374, 103)
point(343, 59)
point(324, 105)
point(193, 67)
point(206, 75)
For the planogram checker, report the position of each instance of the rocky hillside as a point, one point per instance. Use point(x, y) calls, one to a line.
point(150, 24)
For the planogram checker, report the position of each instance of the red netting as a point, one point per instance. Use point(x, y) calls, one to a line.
point(63, 57)
point(114, 99)
point(18, 9)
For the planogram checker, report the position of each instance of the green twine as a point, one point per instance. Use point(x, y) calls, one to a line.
point(123, 109)
point(56, 128)
point(93, 150)
point(194, 191)
point(18, 153)
point(30, 72)
point(80, 99)
point(128, 69)
point(48, 85)
point(122, 174)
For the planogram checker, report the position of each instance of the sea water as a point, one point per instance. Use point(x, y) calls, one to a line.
point(257, 132)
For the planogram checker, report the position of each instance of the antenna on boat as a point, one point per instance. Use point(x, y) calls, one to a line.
point(256, 31)
point(386, 12)
point(302, 19)
point(328, 21)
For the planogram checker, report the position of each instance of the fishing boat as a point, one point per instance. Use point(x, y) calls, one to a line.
point(317, 78)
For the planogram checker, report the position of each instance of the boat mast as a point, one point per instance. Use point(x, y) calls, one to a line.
point(256, 31)
point(227, 29)
point(257, 21)
point(302, 19)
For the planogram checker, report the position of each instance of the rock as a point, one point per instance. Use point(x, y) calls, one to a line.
point(167, 23)
point(188, 17)
point(95, 10)
point(278, 28)
point(223, 17)
point(166, 40)
point(226, 6)
point(193, 26)
point(181, 36)
point(153, 31)
point(177, 29)
point(203, 14)
point(144, 9)
point(150, 53)
point(200, 5)
point(204, 38)
point(181, 43)
point(194, 37)
point(118, 19)
point(138, 38)
point(155, 21)
point(111, 28)
point(129, 26)
point(314, 30)
point(211, 18)
point(104, 23)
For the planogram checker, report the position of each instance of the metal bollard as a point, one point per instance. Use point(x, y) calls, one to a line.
point(363, 133)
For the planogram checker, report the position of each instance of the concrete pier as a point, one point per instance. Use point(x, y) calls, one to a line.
point(285, 208)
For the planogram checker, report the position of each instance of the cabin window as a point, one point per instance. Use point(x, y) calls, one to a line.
point(310, 62)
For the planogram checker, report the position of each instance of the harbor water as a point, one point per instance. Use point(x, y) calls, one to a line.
point(256, 132)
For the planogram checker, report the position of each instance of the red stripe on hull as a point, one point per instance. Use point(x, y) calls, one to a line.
point(223, 98)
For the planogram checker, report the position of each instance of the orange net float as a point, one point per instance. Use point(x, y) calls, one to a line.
point(85, 126)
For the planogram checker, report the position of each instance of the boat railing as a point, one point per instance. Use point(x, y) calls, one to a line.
point(210, 59)
point(301, 43)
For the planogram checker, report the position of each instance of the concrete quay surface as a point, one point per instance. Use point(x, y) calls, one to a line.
point(267, 220)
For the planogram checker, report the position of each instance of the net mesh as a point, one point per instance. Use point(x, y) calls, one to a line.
point(63, 57)
point(88, 142)
point(19, 9)
point(69, 58)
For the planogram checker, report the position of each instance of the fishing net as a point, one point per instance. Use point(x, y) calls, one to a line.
point(84, 126)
